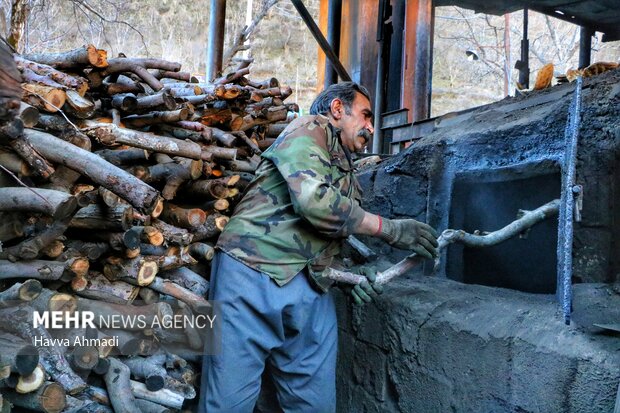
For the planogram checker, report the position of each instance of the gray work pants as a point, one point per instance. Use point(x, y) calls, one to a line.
point(293, 328)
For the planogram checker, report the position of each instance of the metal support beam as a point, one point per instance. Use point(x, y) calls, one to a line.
point(418, 58)
point(318, 36)
point(585, 46)
point(334, 19)
point(383, 38)
point(523, 64)
point(215, 49)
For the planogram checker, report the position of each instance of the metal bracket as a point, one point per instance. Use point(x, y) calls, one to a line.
point(578, 194)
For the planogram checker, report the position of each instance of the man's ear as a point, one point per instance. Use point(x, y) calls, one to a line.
point(336, 108)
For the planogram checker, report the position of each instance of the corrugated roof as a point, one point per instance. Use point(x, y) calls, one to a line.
point(600, 15)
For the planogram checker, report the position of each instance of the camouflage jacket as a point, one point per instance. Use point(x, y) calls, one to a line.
point(303, 201)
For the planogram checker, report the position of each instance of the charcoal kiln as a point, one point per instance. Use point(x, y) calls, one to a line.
point(483, 330)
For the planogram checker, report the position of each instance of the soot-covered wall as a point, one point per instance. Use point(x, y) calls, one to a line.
point(435, 344)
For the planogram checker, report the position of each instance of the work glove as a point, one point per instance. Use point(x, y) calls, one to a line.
point(409, 234)
point(367, 290)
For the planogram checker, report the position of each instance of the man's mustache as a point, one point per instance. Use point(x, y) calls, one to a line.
point(364, 133)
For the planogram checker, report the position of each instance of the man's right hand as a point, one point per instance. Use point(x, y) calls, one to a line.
point(409, 234)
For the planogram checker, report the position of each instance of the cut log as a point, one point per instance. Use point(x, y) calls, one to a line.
point(196, 302)
point(167, 74)
point(33, 158)
point(31, 248)
point(38, 269)
point(183, 217)
point(212, 227)
point(152, 374)
point(273, 114)
point(87, 55)
point(75, 405)
point(206, 189)
point(153, 118)
point(139, 194)
point(14, 163)
point(26, 291)
point(201, 251)
point(126, 102)
point(52, 358)
point(72, 82)
point(188, 279)
point(31, 382)
point(163, 397)
point(56, 204)
point(50, 398)
point(20, 356)
point(96, 216)
point(160, 100)
point(123, 156)
point(83, 358)
point(109, 134)
point(28, 114)
point(151, 407)
point(78, 106)
point(117, 382)
point(139, 271)
point(172, 234)
point(97, 287)
point(219, 152)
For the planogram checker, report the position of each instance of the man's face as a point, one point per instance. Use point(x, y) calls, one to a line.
point(356, 128)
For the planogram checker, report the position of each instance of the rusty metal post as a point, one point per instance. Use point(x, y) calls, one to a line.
point(523, 64)
point(418, 58)
point(334, 19)
point(215, 48)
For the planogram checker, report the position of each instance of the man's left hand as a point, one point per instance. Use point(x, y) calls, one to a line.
point(367, 290)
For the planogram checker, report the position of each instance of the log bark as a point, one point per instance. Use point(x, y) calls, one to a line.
point(56, 204)
point(109, 134)
point(15, 164)
point(195, 301)
point(28, 114)
point(87, 55)
point(156, 117)
point(32, 247)
point(160, 100)
point(152, 374)
point(206, 188)
point(96, 216)
point(124, 156)
point(151, 407)
point(51, 356)
point(21, 357)
point(26, 291)
point(183, 217)
point(139, 271)
point(163, 397)
point(37, 163)
point(213, 226)
point(188, 279)
point(50, 398)
point(201, 251)
point(117, 382)
point(97, 287)
point(172, 234)
point(37, 269)
point(31, 382)
point(128, 187)
point(77, 83)
point(78, 106)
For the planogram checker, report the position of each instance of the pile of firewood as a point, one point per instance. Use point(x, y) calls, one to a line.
point(117, 176)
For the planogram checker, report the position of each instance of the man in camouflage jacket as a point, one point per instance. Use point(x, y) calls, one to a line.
point(267, 272)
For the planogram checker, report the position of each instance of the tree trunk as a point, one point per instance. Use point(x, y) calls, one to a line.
point(50, 398)
point(119, 388)
point(56, 204)
point(128, 187)
point(87, 55)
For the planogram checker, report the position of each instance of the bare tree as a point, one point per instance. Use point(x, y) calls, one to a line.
point(20, 9)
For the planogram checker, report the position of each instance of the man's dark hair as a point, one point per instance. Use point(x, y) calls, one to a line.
point(344, 91)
